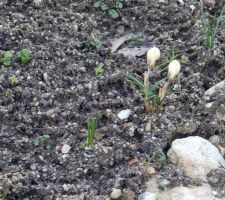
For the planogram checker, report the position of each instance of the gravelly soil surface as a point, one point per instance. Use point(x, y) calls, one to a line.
point(59, 90)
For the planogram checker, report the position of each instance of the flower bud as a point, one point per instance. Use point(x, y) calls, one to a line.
point(173, 70)
point(153, 55)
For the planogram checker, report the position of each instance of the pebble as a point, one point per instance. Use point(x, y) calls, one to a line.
point(116, 193)
point(164, 183)
point(65, 149)
point(147, 196)
point(215, 140)
point(124, 114)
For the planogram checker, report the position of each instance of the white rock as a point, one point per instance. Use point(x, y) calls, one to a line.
point(147, 196)
point(66, 148)
point(116, 194)
point(183, 193)
point(195, 156)
point(124, 114)
point(211, 91)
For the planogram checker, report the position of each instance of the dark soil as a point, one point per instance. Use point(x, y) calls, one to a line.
point(59, 90)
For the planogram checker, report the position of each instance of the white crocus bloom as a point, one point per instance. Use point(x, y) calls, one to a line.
point(173, 70)
point(153, 55)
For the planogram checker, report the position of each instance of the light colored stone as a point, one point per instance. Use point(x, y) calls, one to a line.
point(208, 2)
point(152, 185)
point(164, 183)
point(183, 193)
point(215, 140)
point(65, 149)
point(116, 193)
point(147, 196)
point(196, 156)
point(213, 90)
point(124, 114)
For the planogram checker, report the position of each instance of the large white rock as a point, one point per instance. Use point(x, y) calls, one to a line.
point(183, 193)
point(196, 156)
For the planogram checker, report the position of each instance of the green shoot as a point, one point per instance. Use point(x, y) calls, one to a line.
point(92, 125)
point(41, 141)
point(112, 7)
point(6, 58)
point(95, 42)
point(24, 56)
point(172, 55)
point(99, 70)
point(13, 80)
point(151, 92)
point(212, 28)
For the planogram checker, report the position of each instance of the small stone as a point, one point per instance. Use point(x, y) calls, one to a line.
point(215, 140)
point(37, 3)
point(65, 149)
point(148, 127)
point(116, 193)
point(208, 2)
point(213, 179)
point(150, 170)
point(147, 196)
point(128, 194)
point(164, 183)
point(18, 15)
point(33, 167)
point(45, 78)
point(124, 114)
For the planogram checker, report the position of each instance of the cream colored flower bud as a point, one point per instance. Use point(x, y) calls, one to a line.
point(173, 70)
point(153, 55)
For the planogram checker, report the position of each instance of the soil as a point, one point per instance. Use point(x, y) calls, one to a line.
point(59, 90)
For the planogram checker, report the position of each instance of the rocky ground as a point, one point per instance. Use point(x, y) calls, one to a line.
point(44, 116)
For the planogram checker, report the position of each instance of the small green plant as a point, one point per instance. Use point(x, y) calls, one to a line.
point(6, 58)
point(154, 94)
point(24, 56)
point(3, 195)
point(41, 141)
point(92, 125)
point(172, 55)
point(13, 80)
point(212, 27)
point(112, 7)
point(99, 70)
point(95, 42)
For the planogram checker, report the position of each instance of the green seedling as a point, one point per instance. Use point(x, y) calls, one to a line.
point(99, 70)
point(172, 55)
point(3, 195)
point(6, 58)
point(24, 56)
point(166, 37)
point(41, 141)
point(95, 42)
point(211, 28)
point(92, 125)
point(155, 93)
point(112, 7)
point(13, 80)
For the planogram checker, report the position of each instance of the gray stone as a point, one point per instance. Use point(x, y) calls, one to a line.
point(196, 156)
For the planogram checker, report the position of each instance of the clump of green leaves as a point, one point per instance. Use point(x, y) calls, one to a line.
point(112, 7)
point(42, 141)
point(24, 56)
point(99, 70)
point(212, 27)
point(6, 58)
point(95, 42)
point(13, 80)
point(92, 125)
